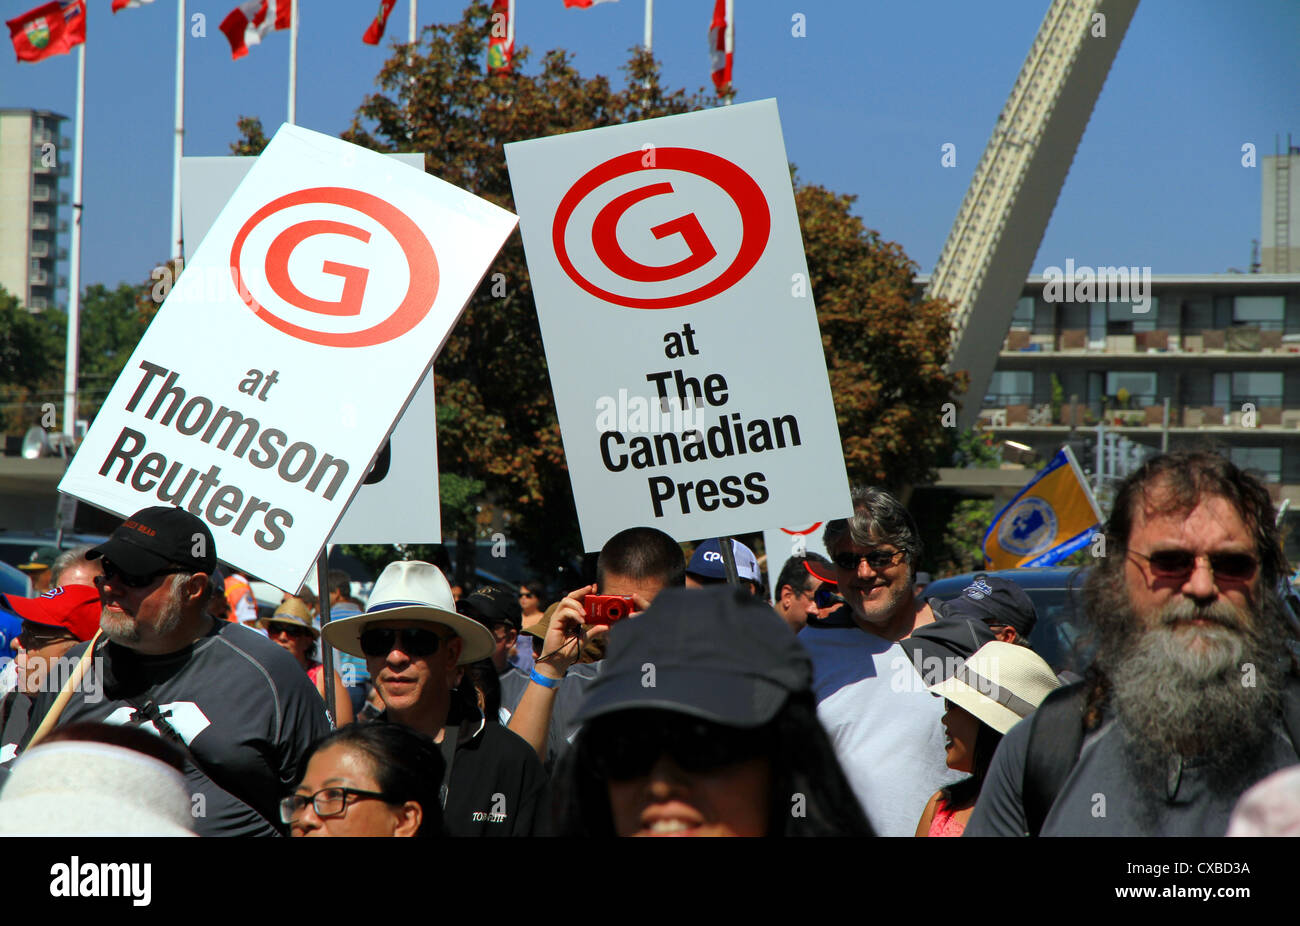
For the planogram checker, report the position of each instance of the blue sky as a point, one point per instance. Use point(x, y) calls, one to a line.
point(867, 99)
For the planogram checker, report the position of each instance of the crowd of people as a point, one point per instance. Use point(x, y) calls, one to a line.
point(666, 700)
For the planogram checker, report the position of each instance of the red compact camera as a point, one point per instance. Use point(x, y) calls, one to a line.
point(606, 609)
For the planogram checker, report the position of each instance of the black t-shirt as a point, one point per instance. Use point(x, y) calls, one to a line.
point(244, 707)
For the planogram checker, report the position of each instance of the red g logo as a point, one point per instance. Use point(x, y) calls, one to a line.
point(406, 311)
point(754, 218)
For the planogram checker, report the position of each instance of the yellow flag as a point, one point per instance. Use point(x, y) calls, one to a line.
point(1052, 517)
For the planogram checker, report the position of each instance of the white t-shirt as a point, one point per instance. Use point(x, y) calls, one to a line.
point(884, 725)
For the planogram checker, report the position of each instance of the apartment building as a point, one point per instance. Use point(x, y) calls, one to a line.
point(34, 162)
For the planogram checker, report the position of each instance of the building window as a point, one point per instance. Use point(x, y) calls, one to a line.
point(1264, 461)
point(1140, 387)
point(1023, 317)
point(1123, 318)
point(1267, 313)
point(1260, 389)
point(1010, 387)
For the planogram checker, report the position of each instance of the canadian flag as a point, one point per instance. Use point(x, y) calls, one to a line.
point(128, 4)
point(377, 25)
point(250, 21)
point(585, 4)
point(720, 45)
point(501, 39)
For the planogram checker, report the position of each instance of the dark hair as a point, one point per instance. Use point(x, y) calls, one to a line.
point(482, 678)
point(127, 737)
point(878, 517)
point(406, 765)
point(961, 793)
point(338, 581)
point(794, 573)
point(642, 553)
point(803, 765)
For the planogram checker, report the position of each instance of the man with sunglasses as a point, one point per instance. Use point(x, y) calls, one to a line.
point(805, 590)
point(884, 724)
point(416, 645)
point(237, 706)
point(52, 623)
point(1192, 696)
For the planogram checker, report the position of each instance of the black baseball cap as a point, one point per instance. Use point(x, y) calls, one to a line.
point(938, 648)
point(492, 604)
point(716, 653)
point(153, 539)
point(994, 600)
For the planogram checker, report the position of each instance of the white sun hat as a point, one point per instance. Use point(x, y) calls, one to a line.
point(1000, 684)
point(410, 590)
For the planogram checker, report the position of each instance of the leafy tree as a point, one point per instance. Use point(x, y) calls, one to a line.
point(252, 139)
point(31, 364)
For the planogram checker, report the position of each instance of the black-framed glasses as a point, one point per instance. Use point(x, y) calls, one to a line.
point(328, 802)
point(627, 744)
point(380, 641)
point(1179, 564)
point(273, 628)
point(876, 559)
point(113, 574)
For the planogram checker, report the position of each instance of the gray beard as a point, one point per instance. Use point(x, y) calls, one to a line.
point(1177, 701)
point(126, 632)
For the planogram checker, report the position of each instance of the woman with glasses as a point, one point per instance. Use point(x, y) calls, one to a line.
point(369, 780)
point(291, 627)
point(702, 723)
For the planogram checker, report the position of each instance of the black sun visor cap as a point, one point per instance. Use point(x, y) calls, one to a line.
point(937, 649)
point(159, 538)
point(716, 653)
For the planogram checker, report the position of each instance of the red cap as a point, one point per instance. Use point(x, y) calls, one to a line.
point(76, 608)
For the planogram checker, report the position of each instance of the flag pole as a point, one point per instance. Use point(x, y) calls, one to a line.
point(728, 44)
point(293, 63)
point(510, 30)
point(414, 15)
point(649, 24)
point(178, 245)
point(74, 260)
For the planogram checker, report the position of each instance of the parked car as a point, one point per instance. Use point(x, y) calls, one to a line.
point(1056, 592)
point(17, 548)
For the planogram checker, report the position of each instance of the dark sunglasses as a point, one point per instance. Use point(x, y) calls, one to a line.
point(1179, 564)
point(414, 643)
point(274, 628)
point(113, 574)
point(876, 559)
point(35, 640)
point(627, 745)
point(825, 597)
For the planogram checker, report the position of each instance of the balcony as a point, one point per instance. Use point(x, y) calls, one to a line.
point(38, 277)
point(1148, 416)
point(42, 193)
point(1239, 339)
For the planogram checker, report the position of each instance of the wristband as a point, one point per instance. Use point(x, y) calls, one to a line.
point(544, 681)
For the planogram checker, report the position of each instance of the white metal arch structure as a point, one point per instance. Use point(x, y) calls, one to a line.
point(1000, 224)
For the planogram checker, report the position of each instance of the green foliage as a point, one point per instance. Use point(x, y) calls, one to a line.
point(31, 364)
point(252, 140)
point(962, 546)
point(975, 449)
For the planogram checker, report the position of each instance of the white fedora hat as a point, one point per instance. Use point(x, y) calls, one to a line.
point(1000, 684)
point(410, 590)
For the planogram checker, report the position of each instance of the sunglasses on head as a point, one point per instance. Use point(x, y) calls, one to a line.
point(113, 574)
point(1179, 564)
point(415, 643)
point(628, 744)
point(876, 559)
point(38, 639)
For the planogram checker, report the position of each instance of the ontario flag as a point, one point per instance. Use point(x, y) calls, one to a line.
point(128, 4)
point(52, 29)
point(377, 26)
point(501, 44)
point(720, 46)
point(248, 23)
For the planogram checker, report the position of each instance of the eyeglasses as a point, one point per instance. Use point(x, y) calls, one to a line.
point(329, 802)
point(113, 574)
point(1179, 564)
point(876, 559)
point(527, 594)
point(34, 640)
point(627, 745)
point(275, 628)
point(415, 643)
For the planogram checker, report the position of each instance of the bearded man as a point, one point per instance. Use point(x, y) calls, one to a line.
point(1193, 694)
point(237, 706)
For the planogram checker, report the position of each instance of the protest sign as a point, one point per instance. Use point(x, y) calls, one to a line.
point(268, 382)
point(668, 269)
point(398, 500)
